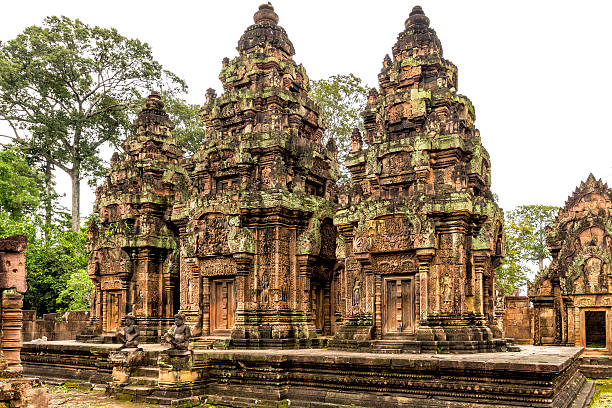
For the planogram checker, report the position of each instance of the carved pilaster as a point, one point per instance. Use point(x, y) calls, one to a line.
point(479, 260)
point(244, 267)
point(378, 306)
point(424, 257)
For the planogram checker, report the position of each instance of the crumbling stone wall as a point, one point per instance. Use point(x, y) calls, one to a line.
point(54, 326)
point(518, 319)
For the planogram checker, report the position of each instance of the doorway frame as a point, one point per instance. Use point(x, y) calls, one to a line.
point(384, 306)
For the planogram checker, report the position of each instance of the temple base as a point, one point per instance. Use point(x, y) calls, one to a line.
point(533, 376)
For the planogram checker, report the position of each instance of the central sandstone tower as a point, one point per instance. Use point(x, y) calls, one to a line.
point(420, 230)
point(257, 236)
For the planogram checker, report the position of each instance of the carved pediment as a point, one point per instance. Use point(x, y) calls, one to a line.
point(390, 234)
point(211, 236)
point(588, 272)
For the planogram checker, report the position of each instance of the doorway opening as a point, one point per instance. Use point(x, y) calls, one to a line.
point(222, 305)
point(398, 306)
point(320, 302)
point(595, 327)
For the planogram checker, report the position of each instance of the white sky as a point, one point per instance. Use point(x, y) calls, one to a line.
point(538, 72)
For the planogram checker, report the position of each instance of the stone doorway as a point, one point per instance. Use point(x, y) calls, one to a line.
point(112, 315)
point(321, 307)
point(398, 306)
point(595, 329)
point(222, 305)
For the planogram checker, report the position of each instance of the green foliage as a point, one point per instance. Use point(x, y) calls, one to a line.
point(19, 193)
point(513, 272)
point(189, 131)
point(341, 98)
point(77, 291)
point(525, 243)
point(533, 239)
point(65, 88)
point(51, 264)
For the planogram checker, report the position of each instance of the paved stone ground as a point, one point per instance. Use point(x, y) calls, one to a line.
point(63, 397)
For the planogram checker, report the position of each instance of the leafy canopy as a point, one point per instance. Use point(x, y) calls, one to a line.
point(342, 99)
point(65, 88)
point(525, 244)
point(19, 193)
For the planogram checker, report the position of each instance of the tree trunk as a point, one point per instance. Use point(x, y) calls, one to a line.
point(75, 177)
point(48, 203)
point(541, 264)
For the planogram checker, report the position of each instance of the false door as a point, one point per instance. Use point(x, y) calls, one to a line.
point(112, 315)
point(398, 306)
point(222, 305)
point(320, 307)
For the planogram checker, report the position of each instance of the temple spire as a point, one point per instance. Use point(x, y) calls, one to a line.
point(417, 18)
point(265, 14)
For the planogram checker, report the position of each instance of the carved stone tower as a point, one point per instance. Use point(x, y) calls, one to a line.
point(420, 230)
point(257, 238)
point(572, 298)
point(134, 259)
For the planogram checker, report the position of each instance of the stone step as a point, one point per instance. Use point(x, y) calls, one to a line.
point(147, 371)
point(137, 389)
point(144, 381)
point(183, 402)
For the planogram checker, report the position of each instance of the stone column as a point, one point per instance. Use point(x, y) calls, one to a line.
point(327, 308)
point(12, 284)
point(378, 306)
point(424, 257)
point(479, 260)
point(205, 306)
point(12, 320)
point(304, 274)
point(244, 266)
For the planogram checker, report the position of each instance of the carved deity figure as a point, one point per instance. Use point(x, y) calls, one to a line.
point(265, 288)
point(357, 296)
point(129, 337)
point(179, 334)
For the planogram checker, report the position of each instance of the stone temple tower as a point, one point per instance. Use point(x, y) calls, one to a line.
point(421, 234)
point(134, 248)
point(257, 236)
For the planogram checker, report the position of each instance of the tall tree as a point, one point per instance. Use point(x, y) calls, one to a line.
point(514, 272)
point(525, 242)
point(342, 99)
point(65, 88)
point(533, 238)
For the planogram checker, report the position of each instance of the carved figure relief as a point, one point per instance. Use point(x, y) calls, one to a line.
point(391, 234)
point(357, 296)
point(211, 236)
point(396, 264)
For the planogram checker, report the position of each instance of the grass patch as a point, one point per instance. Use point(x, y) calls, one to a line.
point(603, 394)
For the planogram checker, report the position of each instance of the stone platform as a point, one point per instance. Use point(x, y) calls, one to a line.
point(531, 377)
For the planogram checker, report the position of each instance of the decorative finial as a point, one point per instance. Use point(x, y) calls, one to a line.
point(417, 18)
point(211, 95)
point(154, 101)
point(266, 14)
